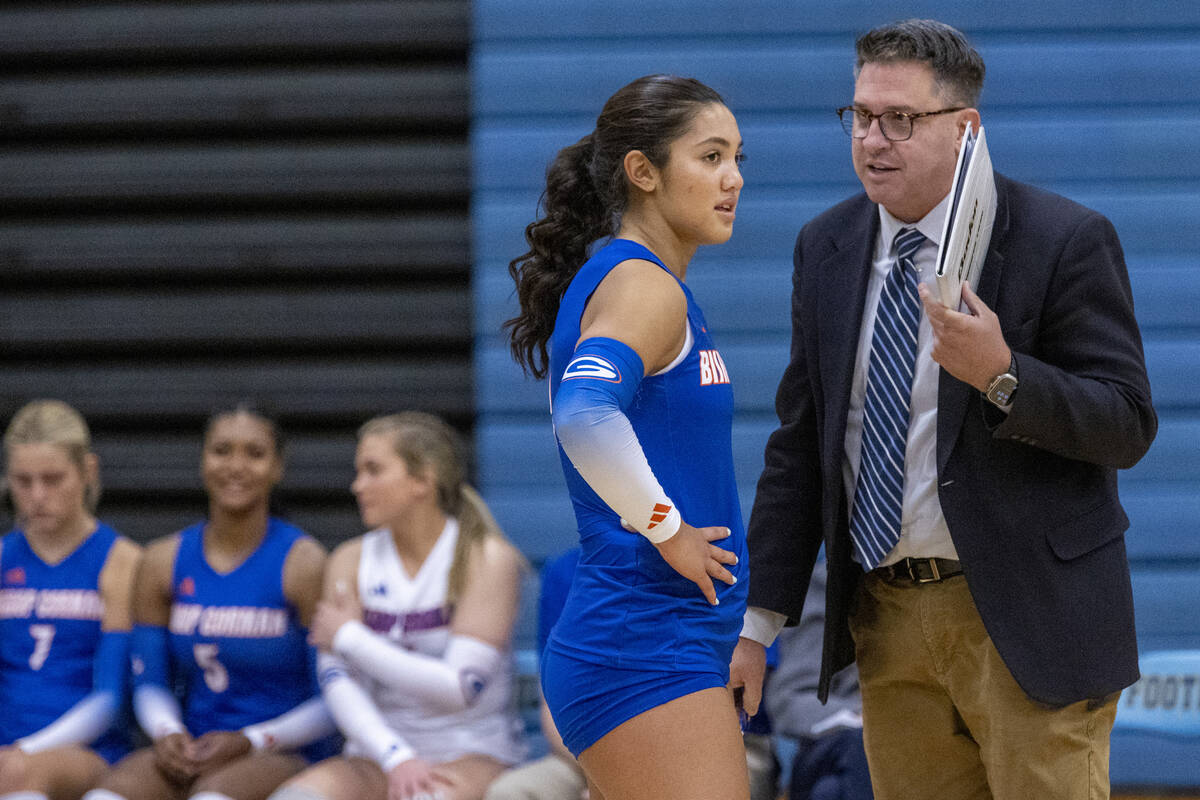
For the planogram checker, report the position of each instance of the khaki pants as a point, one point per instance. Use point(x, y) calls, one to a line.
point(943, 717)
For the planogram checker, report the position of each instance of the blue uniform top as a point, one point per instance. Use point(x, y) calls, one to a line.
point(50, 618)
point(236, 645)
point(627, 607)
point(557, 574)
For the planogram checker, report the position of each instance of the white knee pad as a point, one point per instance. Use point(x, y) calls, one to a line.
point(207, 795)
point(24, 796)
point(101, 794)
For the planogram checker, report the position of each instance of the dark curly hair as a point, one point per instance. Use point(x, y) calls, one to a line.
point(586, 193)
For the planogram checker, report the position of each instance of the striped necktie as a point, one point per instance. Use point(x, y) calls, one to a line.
point(879, 496)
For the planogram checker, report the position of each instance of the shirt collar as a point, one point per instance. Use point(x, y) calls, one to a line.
point(929, 225)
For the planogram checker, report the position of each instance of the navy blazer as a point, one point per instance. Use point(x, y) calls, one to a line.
point(1030, 498)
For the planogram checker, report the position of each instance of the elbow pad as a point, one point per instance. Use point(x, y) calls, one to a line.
point(590, 422)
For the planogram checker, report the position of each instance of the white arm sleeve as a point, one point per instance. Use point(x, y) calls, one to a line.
point(85, 721)
point(607, 453)
point(302, 725)
point(598, 438)
point(358, 717)
point(451, 683)
point(157, 711)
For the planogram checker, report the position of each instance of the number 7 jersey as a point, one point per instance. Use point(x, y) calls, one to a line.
point(49, 632)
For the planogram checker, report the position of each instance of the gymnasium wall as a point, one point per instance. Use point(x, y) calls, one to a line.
point(204, 202)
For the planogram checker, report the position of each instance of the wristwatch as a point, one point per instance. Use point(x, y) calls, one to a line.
point(1002, 388)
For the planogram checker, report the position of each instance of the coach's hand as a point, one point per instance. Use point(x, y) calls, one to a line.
point(969, 346)
point(746, 671)
point(690, 553)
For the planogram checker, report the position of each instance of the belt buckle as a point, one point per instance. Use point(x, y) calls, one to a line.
point(917, 578)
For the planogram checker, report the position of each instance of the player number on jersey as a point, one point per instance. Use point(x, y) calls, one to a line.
point(42, 635)
point(215, 674)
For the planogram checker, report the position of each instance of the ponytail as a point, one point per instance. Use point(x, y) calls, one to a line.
point(475, 525)
point(586, 194)
point(575, 216)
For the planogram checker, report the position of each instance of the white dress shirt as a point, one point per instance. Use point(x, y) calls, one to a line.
point(923, 531)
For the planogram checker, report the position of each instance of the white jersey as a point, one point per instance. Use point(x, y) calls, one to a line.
point(411, 612)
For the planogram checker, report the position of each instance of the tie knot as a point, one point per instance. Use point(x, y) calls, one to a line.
point(908, 241)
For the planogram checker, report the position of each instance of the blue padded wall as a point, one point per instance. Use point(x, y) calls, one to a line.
point(1101, 107)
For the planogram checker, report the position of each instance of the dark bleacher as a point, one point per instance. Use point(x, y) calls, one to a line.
point(214, 201)
point(1096, 106)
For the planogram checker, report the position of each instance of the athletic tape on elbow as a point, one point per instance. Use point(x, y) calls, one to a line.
point(589, 419)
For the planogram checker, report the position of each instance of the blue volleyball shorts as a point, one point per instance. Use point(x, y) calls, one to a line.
point(588, 700)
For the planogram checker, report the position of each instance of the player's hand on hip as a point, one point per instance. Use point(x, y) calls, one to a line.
point(690, 552)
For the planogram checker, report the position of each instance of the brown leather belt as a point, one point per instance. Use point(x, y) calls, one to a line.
point(920, 570)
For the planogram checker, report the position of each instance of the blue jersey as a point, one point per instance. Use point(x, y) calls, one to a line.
point(627, 607)
point(49, 633)
point(236, 645)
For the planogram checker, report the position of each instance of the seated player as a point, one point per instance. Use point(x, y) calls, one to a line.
point(221, 608)
point(415, 627)
point(64, 612)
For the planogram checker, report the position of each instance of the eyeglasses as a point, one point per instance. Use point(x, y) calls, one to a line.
point(896, 126)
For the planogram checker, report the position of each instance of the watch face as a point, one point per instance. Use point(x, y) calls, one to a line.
point(1001, 391)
